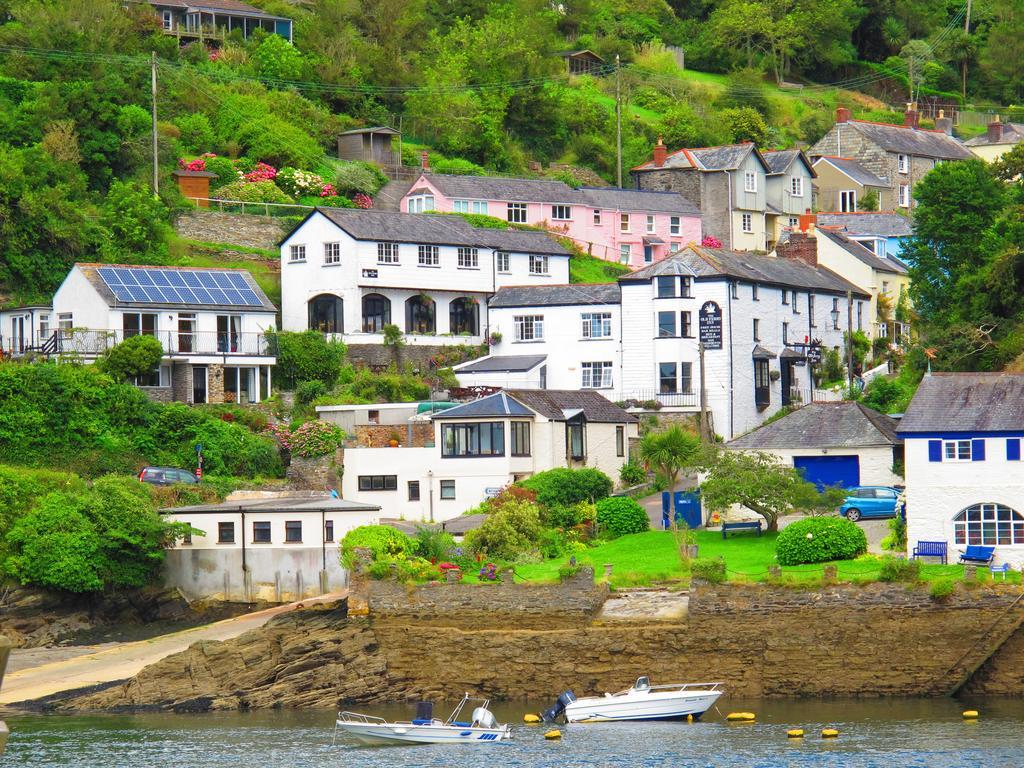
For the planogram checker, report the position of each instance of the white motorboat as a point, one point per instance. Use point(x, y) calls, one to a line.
point(643, 702)
point(424, 728)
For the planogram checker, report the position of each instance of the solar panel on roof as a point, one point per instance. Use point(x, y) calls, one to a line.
point(169, 286)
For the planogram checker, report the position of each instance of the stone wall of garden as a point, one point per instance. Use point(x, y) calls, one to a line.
point(315, 474)
point(415, 434)
point(249, 231)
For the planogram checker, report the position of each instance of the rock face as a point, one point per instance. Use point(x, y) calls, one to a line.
point(513, 642)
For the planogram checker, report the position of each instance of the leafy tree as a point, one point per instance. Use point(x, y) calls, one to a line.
point(508, 531)
point(564, 487)
point(757, 481)
point(277, 59)
point(669, 452)
point(137, 223)
point(745, 124)
point(306, 356)
point(1011, 165)
point(869, 202)
point(135, 356)
point(1002, 57)
point(196, 132)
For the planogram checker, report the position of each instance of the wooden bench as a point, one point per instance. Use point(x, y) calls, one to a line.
point(746, 525)
point(930, 549)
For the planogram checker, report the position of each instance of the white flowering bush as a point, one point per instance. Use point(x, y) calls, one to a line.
point(298, 183)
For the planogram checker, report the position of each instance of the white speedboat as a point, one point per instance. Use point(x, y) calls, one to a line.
point(645, 702)
point(424, 728)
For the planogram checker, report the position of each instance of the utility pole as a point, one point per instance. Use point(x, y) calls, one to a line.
point(618, 124)
point(156, 158)
point(705, 431)
point(849, 339)
point(967, 31)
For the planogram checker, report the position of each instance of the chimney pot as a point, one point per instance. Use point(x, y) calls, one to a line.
point(995, 130)
point(910, 117)
point(842, 115)
point(943, 123)
point(424, 160)
point(660, 153)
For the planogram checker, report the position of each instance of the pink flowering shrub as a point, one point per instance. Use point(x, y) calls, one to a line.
point(262, 172)
point(710, 241)
point(199, 164)
point(328, 191)
point(314, 438)
point(281, 434)
point(363, 201)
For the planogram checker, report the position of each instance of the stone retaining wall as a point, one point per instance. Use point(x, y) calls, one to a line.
point(379, 436)
point(234, 228)
point(314, 474)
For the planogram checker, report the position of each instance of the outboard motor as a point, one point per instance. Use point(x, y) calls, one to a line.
point(484, 718)
point(424, 711)
point(551, 714)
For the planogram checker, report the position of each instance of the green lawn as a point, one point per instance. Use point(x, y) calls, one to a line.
point(590, 269)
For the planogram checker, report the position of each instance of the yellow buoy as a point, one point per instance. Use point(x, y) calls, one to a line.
point(795, 733)
point(970, 714)
point(829, 733)
point(741, 717)
point(689, 718)
point(530, 719)
point(552, 735)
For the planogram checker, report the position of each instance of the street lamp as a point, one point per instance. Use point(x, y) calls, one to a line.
point(835, 318)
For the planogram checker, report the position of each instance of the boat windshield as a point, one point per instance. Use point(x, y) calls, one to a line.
point(642, 684)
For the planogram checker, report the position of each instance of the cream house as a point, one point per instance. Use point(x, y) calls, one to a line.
point(997, 140)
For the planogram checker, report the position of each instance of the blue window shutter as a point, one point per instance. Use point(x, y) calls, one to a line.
point(934, 450)
point(1013, 449)
point(977, 450)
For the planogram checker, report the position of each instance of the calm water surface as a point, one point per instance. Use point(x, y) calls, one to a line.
point(927, 733)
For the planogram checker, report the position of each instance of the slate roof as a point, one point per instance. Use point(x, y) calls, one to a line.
point(779, 160)
point(869, 223)
point(854, 170)
point(226, 6)
point(728, 157)
point(1013, 133)
point(556, 295)
point(823, 425)
point(911, 141)
point(705, 262)
point(555, 403)
point(373, 129)
point(637, 200)
point(435, 230)
point(302, 503)
point(502, 188)
point(502, 364)
point(966, 402)
point(861, 253)
point(498, 404)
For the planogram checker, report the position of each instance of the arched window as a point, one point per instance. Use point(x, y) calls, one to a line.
point(376, 312)
point(462, 316)
point(419, 314)
point(325, 314)
point(989, 524)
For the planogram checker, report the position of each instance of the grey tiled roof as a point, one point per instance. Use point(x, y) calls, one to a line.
point(501, 188)
point(637, 200)
point(502, 364)
point(226, 6)
point(1012, 134)
point(823, 425)
point(780, 160)
point(298, 503)
point(554, 403)
point(861, 253)
point(966, 402)
point(436, 230)
point(854, 170)
point(555, 295)
point(898, 138)
point(725, 158)
point(877, 224)
point(498, 404)
point(771, 270)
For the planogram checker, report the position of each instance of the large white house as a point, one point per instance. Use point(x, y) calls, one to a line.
point(484, 445)
point(351, 272)
point(211, 323)
point(962, 437)
point(758, 317)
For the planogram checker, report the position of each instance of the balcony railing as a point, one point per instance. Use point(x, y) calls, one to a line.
point(89, 342)
point(671, 399)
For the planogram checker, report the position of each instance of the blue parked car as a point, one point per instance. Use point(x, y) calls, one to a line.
point(872, 501)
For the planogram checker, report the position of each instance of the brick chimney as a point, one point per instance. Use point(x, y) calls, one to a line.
point(995, 130)
point(842, 115)
point(911, 117)
point(660, 153)
point(424, 161)
point(808, 221)
point(801, 246)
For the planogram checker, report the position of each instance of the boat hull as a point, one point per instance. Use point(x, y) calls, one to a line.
point(408, 733)
point(672, 705)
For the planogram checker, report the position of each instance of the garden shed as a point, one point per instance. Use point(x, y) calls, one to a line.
point(371, 145)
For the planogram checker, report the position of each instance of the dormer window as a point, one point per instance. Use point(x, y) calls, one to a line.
point(421, 203)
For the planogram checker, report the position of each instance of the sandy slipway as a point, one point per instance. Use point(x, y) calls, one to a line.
point(520, 641)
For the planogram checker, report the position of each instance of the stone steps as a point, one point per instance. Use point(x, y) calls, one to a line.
point(389, 198)
point(985, 647)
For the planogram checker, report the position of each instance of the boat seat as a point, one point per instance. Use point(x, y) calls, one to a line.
point(462, 725)
point(422, 721)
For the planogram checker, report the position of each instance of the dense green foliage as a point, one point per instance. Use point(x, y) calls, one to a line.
point(135, 356)
point(306, 356)
point(383, 541)
point(619, 515)
point(668, 452)
point(509, 530)
point(79, 418)
point(86, 540)
point(562, 487)
point(820, 540)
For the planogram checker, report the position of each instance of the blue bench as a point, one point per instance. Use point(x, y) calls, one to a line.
point(930, 549)
point(747, 525)
point(977, 555)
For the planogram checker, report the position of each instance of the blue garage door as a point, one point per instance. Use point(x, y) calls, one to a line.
point(829, 470)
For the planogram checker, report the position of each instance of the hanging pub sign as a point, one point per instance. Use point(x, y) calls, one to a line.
point(814, 352)
point(710, 324)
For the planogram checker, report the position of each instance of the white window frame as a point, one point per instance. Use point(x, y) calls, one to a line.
point(625, 252)
point(561, 213)
point(796, 186)
point(526, 328)
point(904, 195)
point(469, 258)
point(387, 253)
point(987, 523)
point(848, 200)
point(420, 204)
point(460, 206)
point(517, 213)
point(652, 224)
point(596, 325)
point(167, 20)
point(296, 253)
point(503, 261)
point(597, 217)
point(624, 223)
point(675, 225)
point(428, 256)
point(596, 375)
point(538, 264)
point(747, 222)
point(956, 450)
point(903, 163)
point(65, 321)
point(749, 181)
point(479, 207)
point(332, 254)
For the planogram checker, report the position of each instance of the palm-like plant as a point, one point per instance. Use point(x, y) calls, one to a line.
point(669, 452)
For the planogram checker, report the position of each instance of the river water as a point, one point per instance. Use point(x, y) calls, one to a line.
point(900, 732)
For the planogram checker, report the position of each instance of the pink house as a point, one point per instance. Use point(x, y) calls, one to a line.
point(628, 226)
